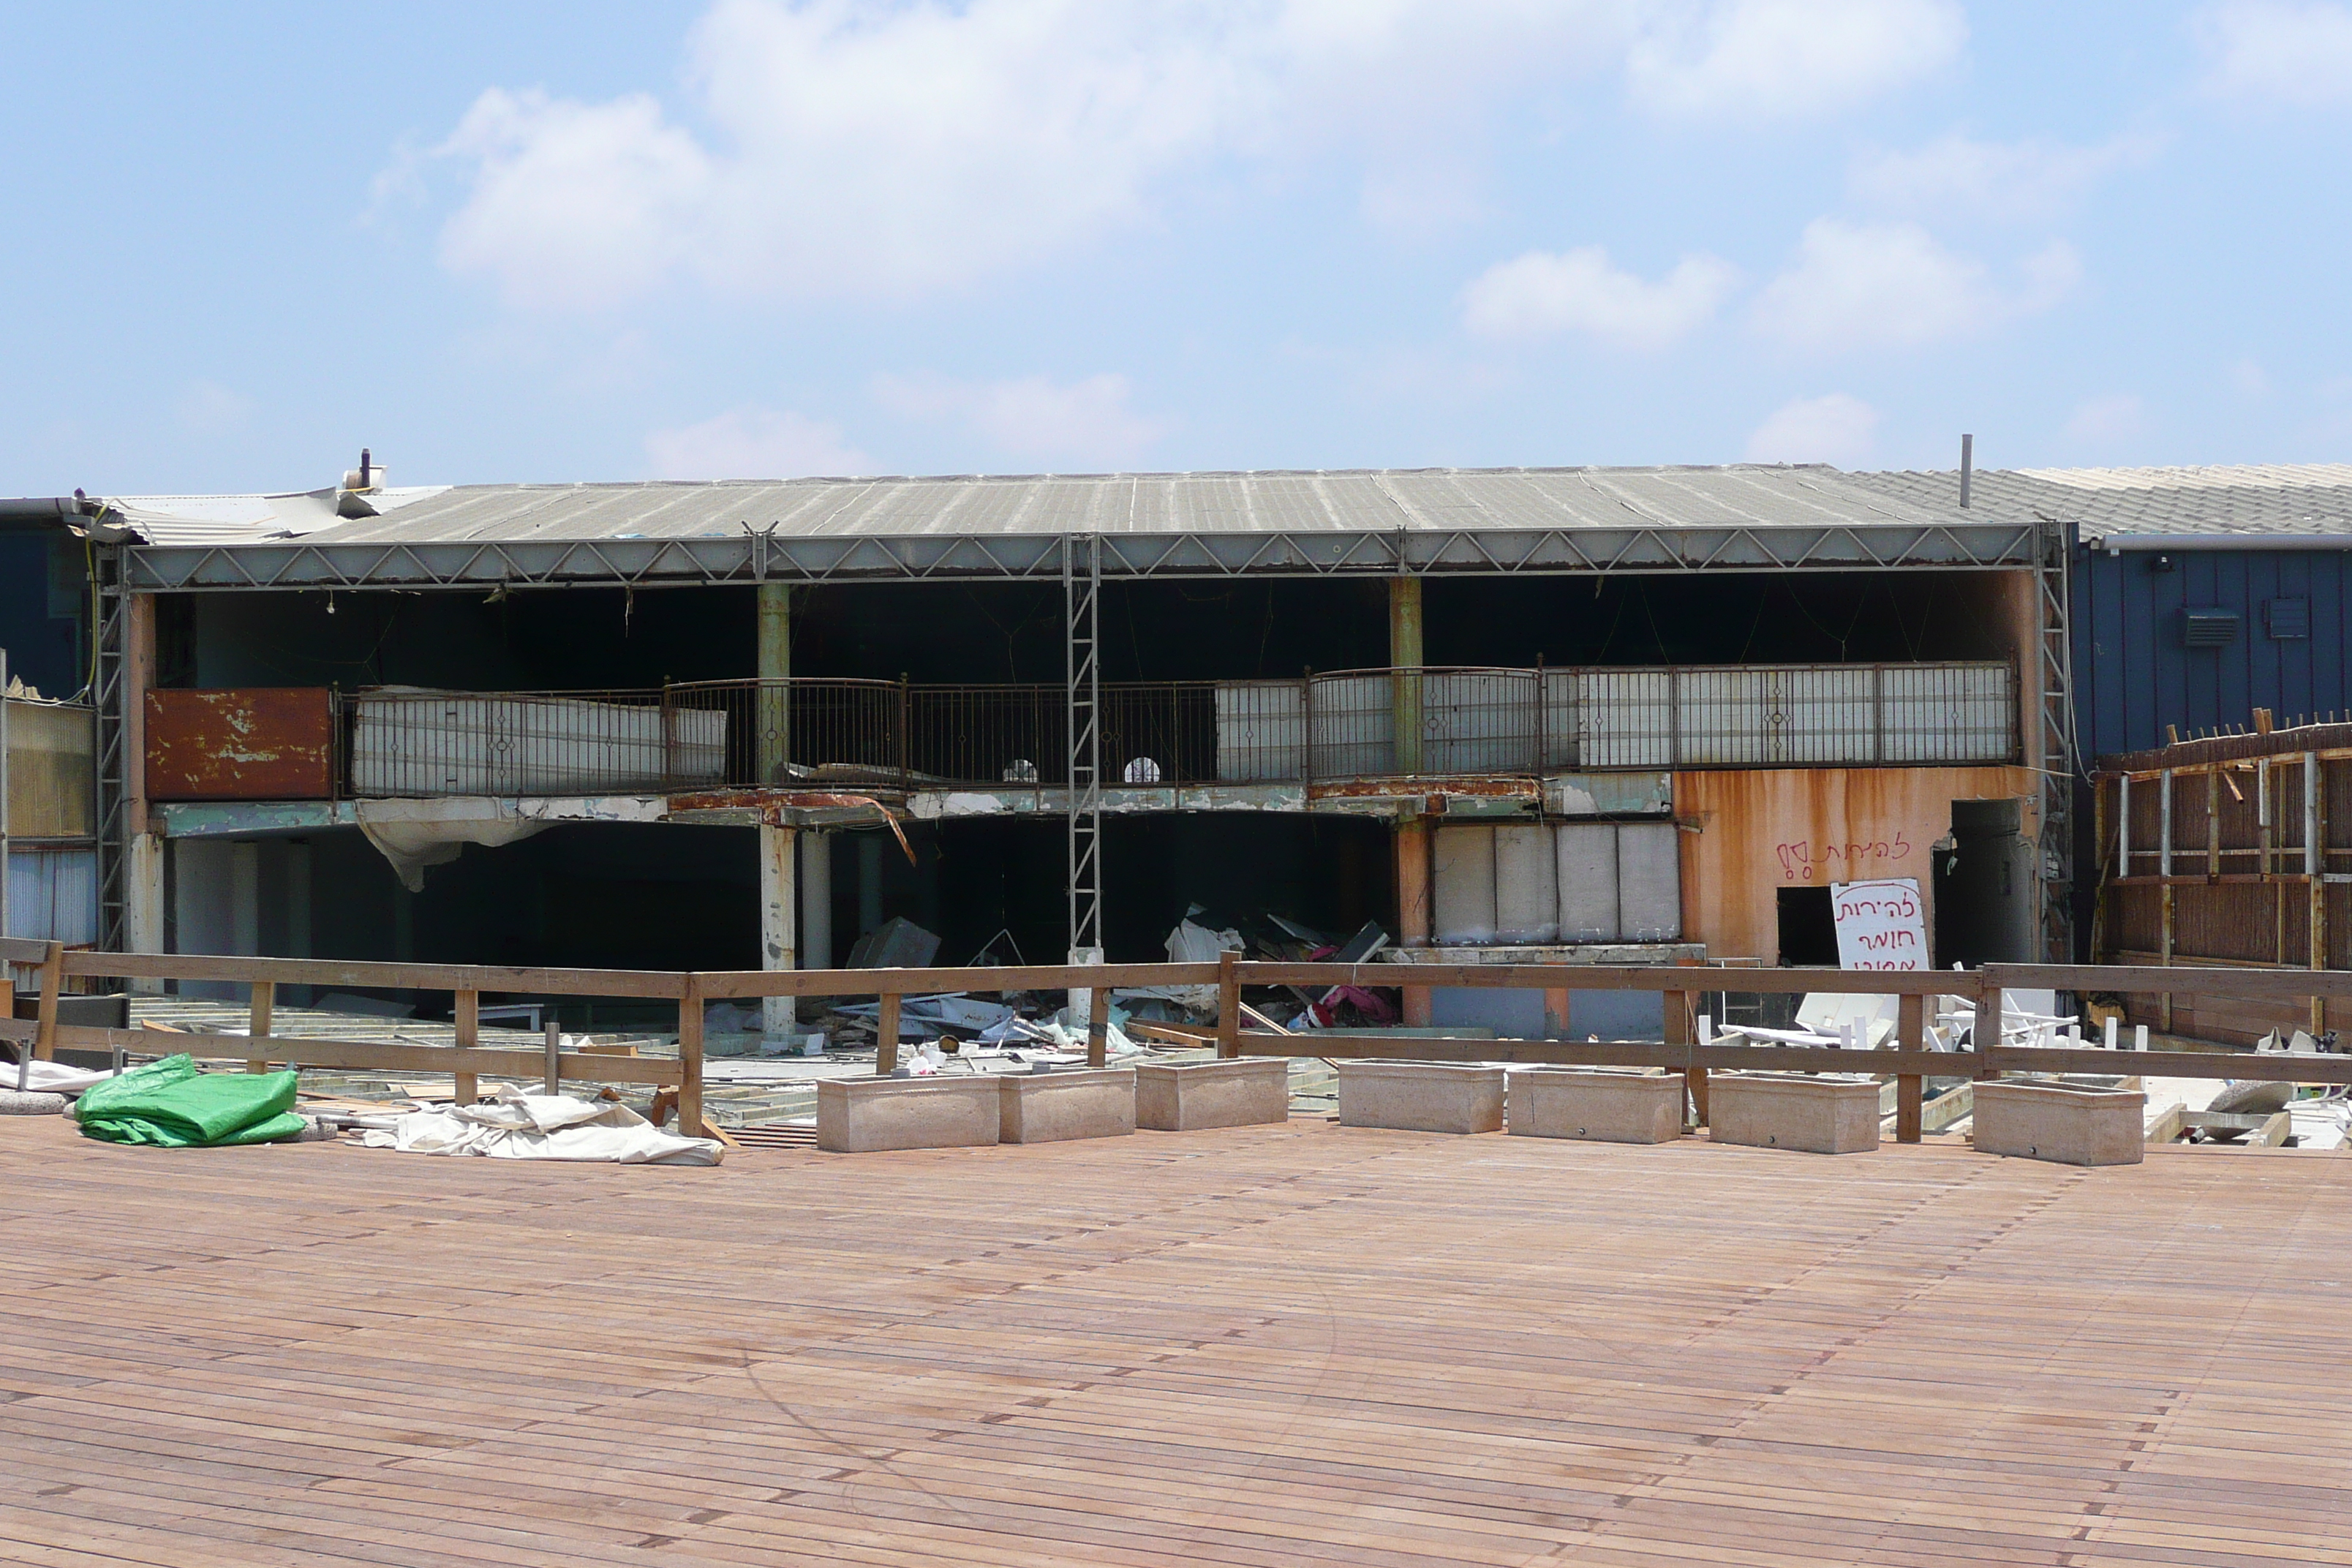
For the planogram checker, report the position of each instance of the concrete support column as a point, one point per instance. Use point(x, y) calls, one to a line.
point(778, 924)
point(1414, 906)
point(244, 898)
point(773, 718)
point(817, 899)
point(1405, 655)
point(778, 928)
point(143, 850)
point(869, 881)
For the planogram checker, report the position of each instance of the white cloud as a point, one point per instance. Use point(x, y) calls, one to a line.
point(1895, 286)
point(1788, 59)
point(1832, 429)
point(854, 149)
point(2011, 180)
point(2248, 379)
point(1033, 419)
point(2102, 421)
point(755, 443)
point(2296, 52)
point(575, 204)
point(209, 408)
point(1578, 291)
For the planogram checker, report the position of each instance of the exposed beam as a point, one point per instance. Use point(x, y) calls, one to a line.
point(758, 557)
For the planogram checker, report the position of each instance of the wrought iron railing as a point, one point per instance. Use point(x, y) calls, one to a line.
point(827, 733)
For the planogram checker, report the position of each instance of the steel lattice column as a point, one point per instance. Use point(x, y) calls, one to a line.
point(1081, 598)
point(2060, 763)
point(106, 694)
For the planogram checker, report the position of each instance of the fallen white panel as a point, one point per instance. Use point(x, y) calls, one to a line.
point(518, 1126)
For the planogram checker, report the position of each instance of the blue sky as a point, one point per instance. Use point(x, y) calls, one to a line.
point(598, 241)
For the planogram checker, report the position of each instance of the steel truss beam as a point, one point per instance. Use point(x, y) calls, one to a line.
point(766, 556)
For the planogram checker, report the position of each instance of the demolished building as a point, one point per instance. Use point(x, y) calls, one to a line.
point(1644, 715)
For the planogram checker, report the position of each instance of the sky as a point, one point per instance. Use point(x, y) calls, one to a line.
point(601, 240)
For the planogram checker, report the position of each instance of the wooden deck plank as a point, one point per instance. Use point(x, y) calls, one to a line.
point(1269, 1346)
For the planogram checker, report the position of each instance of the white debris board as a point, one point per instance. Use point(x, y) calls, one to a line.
point(1881, 924)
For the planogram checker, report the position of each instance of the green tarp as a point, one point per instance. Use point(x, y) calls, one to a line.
point(173, 1105)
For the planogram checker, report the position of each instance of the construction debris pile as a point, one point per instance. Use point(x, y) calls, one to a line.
point(1025, 1027)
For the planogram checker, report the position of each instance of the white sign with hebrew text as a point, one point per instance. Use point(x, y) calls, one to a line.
point(1881, 924)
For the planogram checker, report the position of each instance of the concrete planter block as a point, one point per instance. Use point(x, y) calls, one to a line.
point(1421, 1097)
point(1048, 1106)
point(2069, 1126)
point(1247, 1092)
point(1600, 1107)
point(867, 1115)
point(1816, 1115)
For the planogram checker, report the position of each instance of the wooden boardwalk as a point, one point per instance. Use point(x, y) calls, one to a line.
point(1301, 1345)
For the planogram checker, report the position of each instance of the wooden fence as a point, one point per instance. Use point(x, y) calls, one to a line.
point(2228, 852)
point(1909, 1060)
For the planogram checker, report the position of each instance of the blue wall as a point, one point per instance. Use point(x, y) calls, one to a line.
point(44, 596)
point(2133, 675)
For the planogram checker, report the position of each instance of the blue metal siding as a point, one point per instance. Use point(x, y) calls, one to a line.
point(2133, 676)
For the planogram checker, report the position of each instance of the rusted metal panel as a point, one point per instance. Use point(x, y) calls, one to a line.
point(257, 743)
point(1517, 788)
point(1752, 832)
point(52, 750)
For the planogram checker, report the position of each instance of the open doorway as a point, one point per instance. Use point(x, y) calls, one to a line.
point(1984, 885)
point(1808, 929)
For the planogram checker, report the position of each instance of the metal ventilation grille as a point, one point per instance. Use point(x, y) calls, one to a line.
point(2289, 620)
point(2208, 628)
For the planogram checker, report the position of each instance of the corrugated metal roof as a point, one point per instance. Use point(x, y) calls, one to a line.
point(1355, 502)
point(2268, 499)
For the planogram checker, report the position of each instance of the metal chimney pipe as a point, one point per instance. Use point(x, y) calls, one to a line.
point(1968, 467)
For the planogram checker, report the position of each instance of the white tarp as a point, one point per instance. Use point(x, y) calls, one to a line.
point(49, 1078)
point(415, 833)
point(520, 1126)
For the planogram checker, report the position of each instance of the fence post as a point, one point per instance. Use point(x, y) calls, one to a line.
point(470, 1035)
point(553, 1079)
point(1676, 1007)
point(669, 738)
point(1543, 718)
point(2164, 889)
point(905, 763)
point(1306, 727)
point(689, 1059)
point(2314, 858)
point(1910, 1034)
point(1098, 1026)
point(53, 970)
point(1985, 1035)
point(1229, 1003)
point(886, 1036)
point(264, 1003)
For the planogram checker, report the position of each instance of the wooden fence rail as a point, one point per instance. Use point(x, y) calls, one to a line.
point(1909, 1061)
point(466, 1063)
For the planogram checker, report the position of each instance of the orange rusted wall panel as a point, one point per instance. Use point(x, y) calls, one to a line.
point(260, 743)
point(1765, 829)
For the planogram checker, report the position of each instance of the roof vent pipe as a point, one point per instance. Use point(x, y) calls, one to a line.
point(1968, 467)
point(368, 476)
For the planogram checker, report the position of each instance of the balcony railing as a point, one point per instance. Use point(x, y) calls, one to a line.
point(823, 733)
